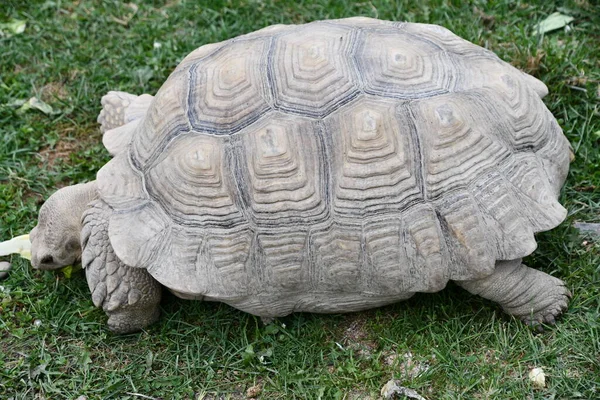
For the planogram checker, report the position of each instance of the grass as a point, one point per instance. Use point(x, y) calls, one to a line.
point(54, 344)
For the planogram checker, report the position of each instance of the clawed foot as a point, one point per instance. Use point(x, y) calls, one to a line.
point(557, 304)
point(530, 295)
point(129, 321)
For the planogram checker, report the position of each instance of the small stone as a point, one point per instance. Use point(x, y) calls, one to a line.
point(37, 322)
point(392, 388)
point(253, 391)
point(4, 269)
point(587, 228)
point(81, 398)
point(538, 378)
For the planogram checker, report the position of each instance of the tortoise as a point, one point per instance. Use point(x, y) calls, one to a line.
point(328, 167)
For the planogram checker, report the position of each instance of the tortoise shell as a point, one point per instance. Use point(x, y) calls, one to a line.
point(334, 166)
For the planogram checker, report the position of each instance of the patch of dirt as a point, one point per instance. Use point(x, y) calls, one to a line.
point(357, 337)
point(53, 91)
point(358, 395)
point(72, 139)
point(409, 366)
point(235, 395)
point(60, 151)
point(490, 356)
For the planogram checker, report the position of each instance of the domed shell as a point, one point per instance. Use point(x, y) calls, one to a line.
point(334, 166)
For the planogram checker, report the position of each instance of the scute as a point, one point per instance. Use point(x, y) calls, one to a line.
point(406, 254)
point(373, 148)
point(335, 166)
point(192, 183)
point(164, 120)
point(281, 171)
point(227, 89)
point(284, 263)
point(394, 64)
point(311, 70)
point(459, 141)
point(446, 40)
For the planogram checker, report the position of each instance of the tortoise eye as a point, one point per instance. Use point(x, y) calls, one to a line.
point(72, 245)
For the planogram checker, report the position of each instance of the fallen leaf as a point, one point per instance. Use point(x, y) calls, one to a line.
point(125, 20)
point(15, 103)
point(253, 391)
point(36, 104)
point(533, 62)
point(12, 28)
point(538, 378)
point(577, 80)
point(488, 20)
point(553, 22)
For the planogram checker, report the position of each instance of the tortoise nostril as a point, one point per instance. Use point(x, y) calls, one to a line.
point(47, 260)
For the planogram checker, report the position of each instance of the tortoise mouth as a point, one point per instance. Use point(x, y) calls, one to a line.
point(45, 262)
point(47, 267)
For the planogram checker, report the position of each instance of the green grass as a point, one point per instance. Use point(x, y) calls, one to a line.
point(54, 344)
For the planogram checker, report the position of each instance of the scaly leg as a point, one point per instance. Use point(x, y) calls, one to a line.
point(129, 296)
point(531, 295)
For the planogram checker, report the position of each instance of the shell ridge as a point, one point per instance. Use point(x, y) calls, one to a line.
point(419, 151)
point(269, 79)
point(355, 61)
point(241, 196)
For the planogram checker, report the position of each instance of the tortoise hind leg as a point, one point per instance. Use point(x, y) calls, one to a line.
point(531, 295)
point(129, 296)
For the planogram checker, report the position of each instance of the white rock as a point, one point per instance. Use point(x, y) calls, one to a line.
point(538, 378)
point(4, 268)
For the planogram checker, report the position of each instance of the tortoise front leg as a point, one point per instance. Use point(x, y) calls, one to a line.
point(531, 295)
point(129, 296)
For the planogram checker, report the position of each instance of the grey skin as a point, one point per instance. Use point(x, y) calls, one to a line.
point(130, 296)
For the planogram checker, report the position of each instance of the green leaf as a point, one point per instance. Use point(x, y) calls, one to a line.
point(37, 104)
point(248, 354)
point(69, 270)
point(552, 22)
point(14, 27)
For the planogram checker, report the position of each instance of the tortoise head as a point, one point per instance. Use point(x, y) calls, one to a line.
point(55, 240)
